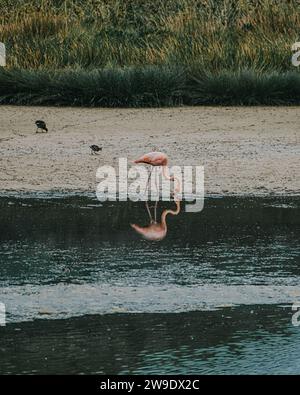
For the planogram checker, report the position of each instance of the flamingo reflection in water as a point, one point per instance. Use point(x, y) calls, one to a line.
point(157, 231)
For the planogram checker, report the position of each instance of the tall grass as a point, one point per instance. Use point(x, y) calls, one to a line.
point(149, 52)
point(149, 86)
point(146, 86)
point(212, 35)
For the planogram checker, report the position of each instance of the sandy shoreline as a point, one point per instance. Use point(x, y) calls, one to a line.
point(245, 150)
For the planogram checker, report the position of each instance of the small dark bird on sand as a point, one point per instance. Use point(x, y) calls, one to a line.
point(95, 148)
point(41, 125)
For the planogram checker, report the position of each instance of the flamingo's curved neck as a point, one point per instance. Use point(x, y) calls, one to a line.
point(166, 212)
point(166, 174)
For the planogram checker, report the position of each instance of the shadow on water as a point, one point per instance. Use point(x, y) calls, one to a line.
point(203, 299)
point(248, 340)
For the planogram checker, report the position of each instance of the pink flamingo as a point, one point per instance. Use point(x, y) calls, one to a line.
point(156, 231)
point(156, 159)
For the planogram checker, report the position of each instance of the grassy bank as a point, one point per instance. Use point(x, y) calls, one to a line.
point(147, 86)
point(141, 52)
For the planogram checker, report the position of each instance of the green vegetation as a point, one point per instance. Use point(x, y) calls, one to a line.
point(149, 53)
point(147, 86)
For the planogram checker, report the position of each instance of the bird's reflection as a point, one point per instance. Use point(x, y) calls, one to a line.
point(156, 231)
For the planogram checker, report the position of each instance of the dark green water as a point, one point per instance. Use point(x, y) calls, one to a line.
point(84, 293)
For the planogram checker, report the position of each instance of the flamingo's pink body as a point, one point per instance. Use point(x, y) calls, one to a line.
point(153, 232)
point(153, 159)
point(156, 159)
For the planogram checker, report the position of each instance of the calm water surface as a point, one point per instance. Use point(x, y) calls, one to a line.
point(85, 293)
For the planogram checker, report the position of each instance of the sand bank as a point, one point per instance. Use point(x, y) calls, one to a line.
point(245, 150)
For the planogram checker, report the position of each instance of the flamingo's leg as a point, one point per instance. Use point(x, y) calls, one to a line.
point(156, 186)
point(149, 212)
point(155, 212)
point(147, 185)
